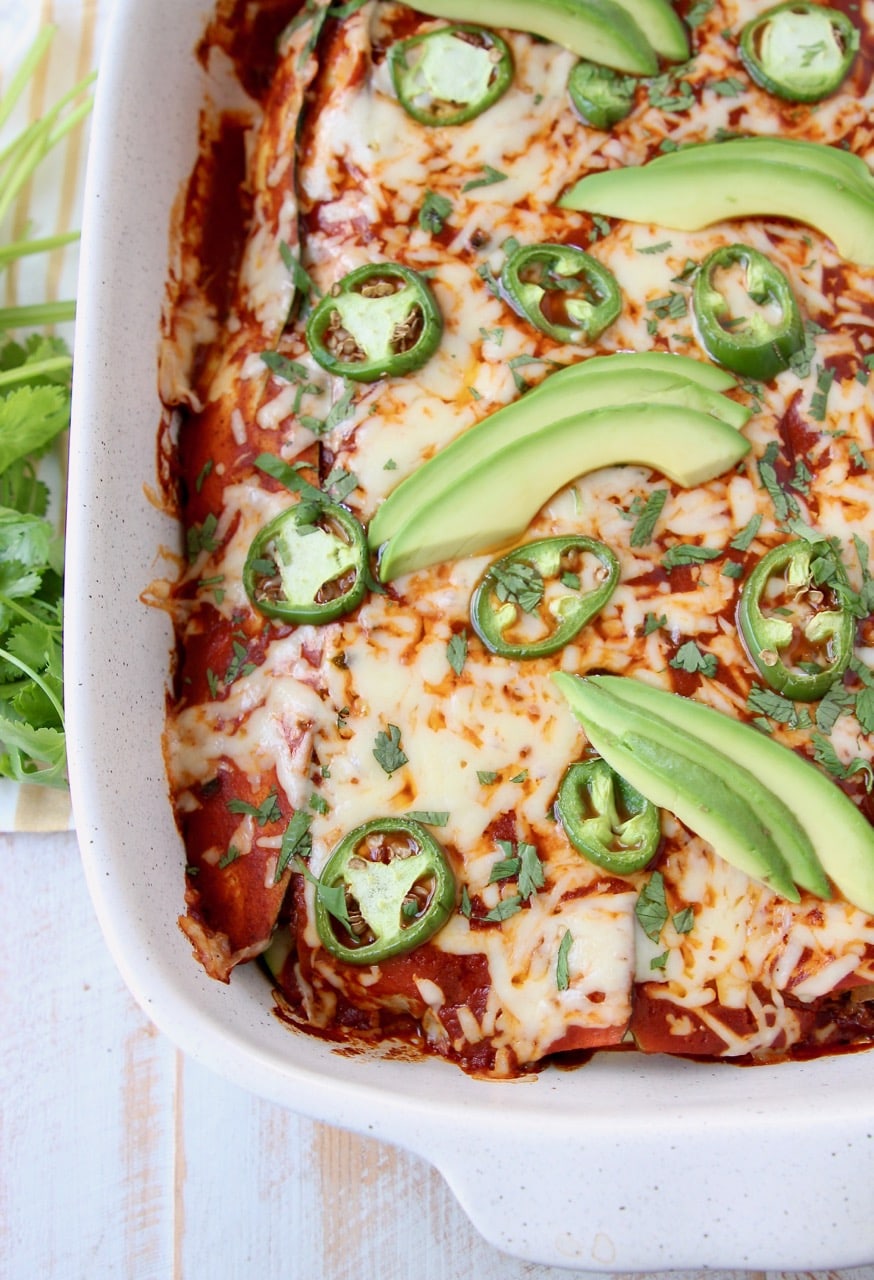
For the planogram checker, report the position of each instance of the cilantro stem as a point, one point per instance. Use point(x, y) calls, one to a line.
point(24, 248)
point(25, 153)
point(14, 605)
point(37, 314)
point(39, 369)
point(37, 680)
point(19, 81)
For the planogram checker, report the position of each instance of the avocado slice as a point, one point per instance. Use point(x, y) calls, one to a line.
point(599, 30)
point(491, 503)
point(842, 838)
point(662, 26)
point(706, 791)
point(703, 730)
point(831, 161)
point(699, 371)
point(573, 390)
point(704, 188)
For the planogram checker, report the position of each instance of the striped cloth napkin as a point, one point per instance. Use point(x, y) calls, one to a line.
point(50, 205)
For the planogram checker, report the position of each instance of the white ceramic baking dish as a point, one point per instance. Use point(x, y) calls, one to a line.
point(628, 1163)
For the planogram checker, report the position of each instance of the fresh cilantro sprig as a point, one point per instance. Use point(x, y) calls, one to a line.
point(35, 375)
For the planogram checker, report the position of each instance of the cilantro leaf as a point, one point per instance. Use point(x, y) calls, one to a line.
point(518, 583)
point(456, 651)
point(388, 750)
point(562, 972)
point(651, 907)
point(489, 176)
point(690, 658)
point(643, 530)
point(688, 553)
point(434, 212)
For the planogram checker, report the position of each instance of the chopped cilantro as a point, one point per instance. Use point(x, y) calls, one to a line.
point(730, 87)
point(801, 362)
point(684, 921)
point(651, 907)
point(642, 532)
point(388, 749)
point(857, 457)
point(489, 177)
point(699, 12)
point(743, 540)
point(690, 658)
point(652, 623)
point(865, 709)
point(669, 306)
point(774, 705)
point(688, 553)
point(667, 93)
point(339, 483)
point(531, 877)
point(267, 811)
point(784, 503)
point(833, 705)
point(518, 583)
point(562, 973)
point(819, 399)
point(238, 666)
point(430, 817)
point(296, 843)
point(826, 755)
point(456, 652)
point(506, 907)
point(434, 212)
point(201, 537)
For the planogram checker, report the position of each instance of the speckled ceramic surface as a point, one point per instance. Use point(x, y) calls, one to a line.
point(628, 1163)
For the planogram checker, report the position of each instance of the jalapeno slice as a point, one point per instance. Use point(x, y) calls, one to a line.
point(565, 293)
point(395, 889)
point(799, 51)
point(756, 344)
point(380, 319)
point(308, 564)
point(450, 75)
point(787, 632)
point(606, 819)
point(601, 97)
point(533, 601)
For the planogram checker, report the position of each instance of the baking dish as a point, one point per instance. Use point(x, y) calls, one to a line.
point(626, 1163)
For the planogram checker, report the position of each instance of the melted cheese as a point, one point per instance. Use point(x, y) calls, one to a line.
point(489, 744)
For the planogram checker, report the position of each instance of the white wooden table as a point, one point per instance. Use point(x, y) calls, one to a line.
point(122, 1160)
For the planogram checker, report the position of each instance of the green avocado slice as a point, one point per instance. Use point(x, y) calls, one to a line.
point(491, 503)
point(844, 166)
point(706, 791)
point(599, 30)
point(574, 390)
point(701, 372)
point(710, 188)
point(662, 26)
point(702, 729)
point(841, 837)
